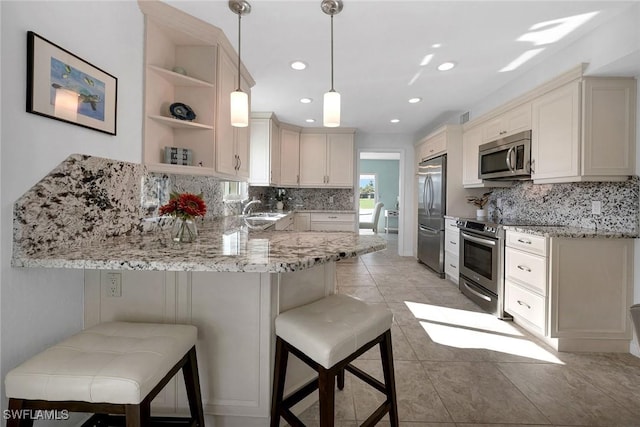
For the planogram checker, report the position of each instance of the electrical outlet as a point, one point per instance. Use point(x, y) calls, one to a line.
point(351, 199)
point(113, 284)
point(596, 207)
point(330, 199)
point(499, 203)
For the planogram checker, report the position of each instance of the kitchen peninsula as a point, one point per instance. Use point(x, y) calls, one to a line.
point(230, 283)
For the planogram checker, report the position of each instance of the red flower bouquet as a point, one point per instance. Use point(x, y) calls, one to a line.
point(184, 206)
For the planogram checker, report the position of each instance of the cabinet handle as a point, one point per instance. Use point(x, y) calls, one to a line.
point(525, 304)
point(524, 268)
point(453, 266)
point(333, 217)
point(239, 162)
point(452, 242)
point(297, 179)
point(526, 242)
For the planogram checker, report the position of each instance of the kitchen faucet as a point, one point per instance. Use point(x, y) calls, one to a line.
point(245, 211)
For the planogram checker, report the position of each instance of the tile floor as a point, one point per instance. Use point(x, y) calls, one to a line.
point(456, 366)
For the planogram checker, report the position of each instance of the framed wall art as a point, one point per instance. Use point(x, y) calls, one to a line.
point(63, 86)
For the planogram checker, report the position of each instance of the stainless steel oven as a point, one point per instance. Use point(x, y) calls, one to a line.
point(481, 265)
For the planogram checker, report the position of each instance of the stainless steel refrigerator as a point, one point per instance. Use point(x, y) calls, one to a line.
point(432, 184)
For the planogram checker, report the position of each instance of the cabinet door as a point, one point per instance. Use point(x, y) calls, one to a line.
point(289, 157)
point(226, 161)
point(433, 146)
point(471, 140)
point(513, 121)
point(242, 142)
point(275, 154)
point(609, 122)
point(260, 152)
point(302, 222)
point(340, 160)
point(313, 159)
point(556, 133)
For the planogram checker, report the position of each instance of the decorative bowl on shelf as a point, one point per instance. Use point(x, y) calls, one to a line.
point(181, 111)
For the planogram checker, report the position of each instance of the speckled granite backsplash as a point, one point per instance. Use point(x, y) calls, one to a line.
point(570, 204)
point(82, 200)
point(306, 198)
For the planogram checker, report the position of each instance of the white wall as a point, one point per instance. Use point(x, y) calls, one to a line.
point(40, 306)
point(635, 346)
point(404, 145)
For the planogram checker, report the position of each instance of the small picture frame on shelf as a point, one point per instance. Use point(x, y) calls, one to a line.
point(63, 86)
point(178, 156)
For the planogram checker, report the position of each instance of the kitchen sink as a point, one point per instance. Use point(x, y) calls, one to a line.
point(266, 216)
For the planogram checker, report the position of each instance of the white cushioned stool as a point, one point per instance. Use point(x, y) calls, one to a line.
point(111, 368)
point(328, 335)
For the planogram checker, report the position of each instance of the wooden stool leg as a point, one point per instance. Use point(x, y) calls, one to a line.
point(137, 415)
point(326, 392)
point(192, 383)
point(17, 418)
point(279, 375)
point(341, 379)
point(386, 354)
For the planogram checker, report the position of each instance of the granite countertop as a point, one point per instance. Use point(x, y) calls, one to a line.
point(222, 245)
point(561, 231)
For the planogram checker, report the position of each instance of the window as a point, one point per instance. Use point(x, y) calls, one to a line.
point(368, 195)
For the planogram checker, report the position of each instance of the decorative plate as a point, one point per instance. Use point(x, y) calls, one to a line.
point(181, 111)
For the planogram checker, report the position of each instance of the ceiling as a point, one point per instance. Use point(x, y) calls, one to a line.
point(379, 48)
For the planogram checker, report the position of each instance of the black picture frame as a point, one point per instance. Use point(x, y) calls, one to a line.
point(63, 86)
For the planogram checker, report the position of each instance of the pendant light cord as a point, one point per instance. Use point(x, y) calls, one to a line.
point(239, 48)
point(332, 90)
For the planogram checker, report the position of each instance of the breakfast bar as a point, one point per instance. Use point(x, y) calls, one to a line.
point(231, 282)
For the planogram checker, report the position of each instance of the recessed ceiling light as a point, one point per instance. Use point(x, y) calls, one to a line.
point(426, 59)
point(310, 120)
point(306, 100)
point(436, 45)
point(414, 100)
point(395, 120)
point(298, 65)
point(446, 66)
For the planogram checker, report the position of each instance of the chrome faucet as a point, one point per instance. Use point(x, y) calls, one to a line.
point(245, 210)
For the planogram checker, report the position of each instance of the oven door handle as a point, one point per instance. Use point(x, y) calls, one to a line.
point(478, 240)
point(476, 293)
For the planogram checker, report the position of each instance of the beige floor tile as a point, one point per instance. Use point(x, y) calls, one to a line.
point(566, 397)
point(428, 350)
point(401, 293)
point(358, 279)
point(417, 399)
point(477, 392)
point(365, 293)
point(401, 348)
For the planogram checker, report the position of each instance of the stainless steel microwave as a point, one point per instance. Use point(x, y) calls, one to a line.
point(507, 158)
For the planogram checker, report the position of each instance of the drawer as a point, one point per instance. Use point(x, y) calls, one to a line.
point(452, 242)
point(451, 265)
point(527, 269)
point(524, 303)
point(333, 217)
point(450, 225)
point(527, 242)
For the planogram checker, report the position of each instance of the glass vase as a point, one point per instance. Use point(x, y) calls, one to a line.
point(184, 230)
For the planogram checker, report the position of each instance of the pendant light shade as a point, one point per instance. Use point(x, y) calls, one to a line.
point(239, 109)
point(331, 110)
point(239, 100)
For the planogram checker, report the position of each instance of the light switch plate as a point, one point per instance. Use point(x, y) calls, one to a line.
point(596, 207)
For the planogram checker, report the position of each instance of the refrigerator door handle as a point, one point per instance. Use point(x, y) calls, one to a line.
point(428, 230)
point(426, 201)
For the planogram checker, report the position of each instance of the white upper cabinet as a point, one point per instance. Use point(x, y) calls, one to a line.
point(471, 140)
point(513, 121)
point(289, 157)
point(432, 146)
point(201, 56)
point(585, 131)
point(326, 160)
point(265, 150)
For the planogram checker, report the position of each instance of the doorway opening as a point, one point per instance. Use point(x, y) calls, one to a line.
point(368, 196)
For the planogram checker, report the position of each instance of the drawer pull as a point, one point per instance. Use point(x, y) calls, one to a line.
point(525, 304)
point(333, 217)
point(526, 242)
point(452, 242)
point(524, 268)
point(453, 266)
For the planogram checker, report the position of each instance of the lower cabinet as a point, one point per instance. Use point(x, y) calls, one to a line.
point(451, 250)
point(333, 222)
point(286, 224)
point(302, 222)
point(573, 293)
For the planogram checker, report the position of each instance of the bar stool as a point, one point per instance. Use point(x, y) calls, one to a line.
point(111, 368)
point(328, 335)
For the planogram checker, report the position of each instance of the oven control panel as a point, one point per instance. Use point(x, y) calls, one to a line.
point(478, 226)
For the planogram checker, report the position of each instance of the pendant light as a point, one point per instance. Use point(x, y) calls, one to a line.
point(331, 109)
point(239, 99)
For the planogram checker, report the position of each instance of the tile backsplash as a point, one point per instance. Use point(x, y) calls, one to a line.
point(570, 204)
point(306, 198)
